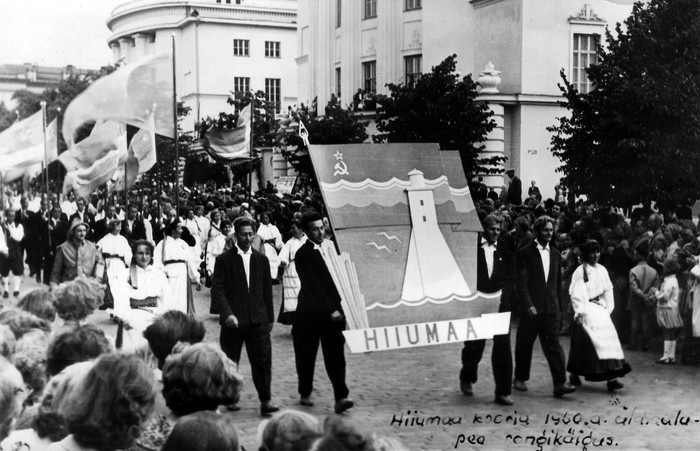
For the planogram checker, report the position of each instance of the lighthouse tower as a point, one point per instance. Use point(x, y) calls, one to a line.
point(431, 270)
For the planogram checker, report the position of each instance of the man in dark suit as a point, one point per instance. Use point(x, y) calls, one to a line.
point(318, 318)
point(515, 189)
point(490, 268)
point(84, 216)
point(133, 228)
point(242, 290)
point(538, 283)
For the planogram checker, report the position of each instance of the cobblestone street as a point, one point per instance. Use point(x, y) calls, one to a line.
point(414, 394)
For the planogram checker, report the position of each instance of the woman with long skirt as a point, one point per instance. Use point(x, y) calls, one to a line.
point(596, 353)
point(181, 266)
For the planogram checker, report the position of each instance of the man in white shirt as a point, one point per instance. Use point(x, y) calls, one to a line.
point(538, 284)
point(490, 271)
point(242, 291)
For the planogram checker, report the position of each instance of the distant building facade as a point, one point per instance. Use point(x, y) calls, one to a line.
point(349, 45)
point(221, 47)
point(33, 78)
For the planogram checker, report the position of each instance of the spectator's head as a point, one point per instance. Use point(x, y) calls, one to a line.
point(114, 226)
point(312, 222)
point(169, 328)
point(40, 303)
point(225, 227)
point(544, 229)
point(590, 252)
point(77, 299)
point(671, 267)
point(173, 229)
point(77, 230)
point(655, 222)
point(21, 322)
point(12, 393)
point(30, 360)
point(142, 251)
point(340, 434)
point(47, 421)
point(203, 431)
point(8, 342)
point(201, 377)
point(286, 429)
point(116, 397)
point(80, 344)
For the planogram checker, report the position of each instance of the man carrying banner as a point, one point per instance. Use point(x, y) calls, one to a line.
point(538, 284)
point(319, 317)
point(490, 272)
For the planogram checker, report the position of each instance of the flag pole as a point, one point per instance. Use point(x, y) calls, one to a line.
point(250, 151)
point(177, 147)
point(46, 157)
point(158, 188)
point(58, 145)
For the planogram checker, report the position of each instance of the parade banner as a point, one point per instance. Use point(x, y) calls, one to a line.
point(22, 157)
point(22, 135)
point(230, 146)
point(405, 223)
point(128, 95)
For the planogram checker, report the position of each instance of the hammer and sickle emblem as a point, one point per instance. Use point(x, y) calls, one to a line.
point(340, 168)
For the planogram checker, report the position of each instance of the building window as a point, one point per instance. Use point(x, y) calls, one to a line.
point(273, 93)
point(337, 81)
point(413, 69)
point(585, 55)
point(369, 75)
point(272, 49)
point(338, 11)
point(370, 9)
point(412, 4)
point(241, 84)
point(241, 47)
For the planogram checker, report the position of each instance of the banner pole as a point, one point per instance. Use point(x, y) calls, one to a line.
point(46, 157)
point(58, 145)
point(177, 147)
point(250, 152)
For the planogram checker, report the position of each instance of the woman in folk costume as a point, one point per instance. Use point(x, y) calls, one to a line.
point(180, 265)
point(141, 298)
point(272, 239)
point(117, 255)
point(290, 280)
point(595, 350)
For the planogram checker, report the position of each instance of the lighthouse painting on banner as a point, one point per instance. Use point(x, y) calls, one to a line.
point(403, 215)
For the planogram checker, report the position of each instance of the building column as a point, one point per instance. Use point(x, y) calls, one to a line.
point(494, 145)
point(388, 32)
point(125, 45)
point(116, 52)
point(140, 41)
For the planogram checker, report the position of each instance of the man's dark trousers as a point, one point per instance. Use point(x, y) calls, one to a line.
point(307, 333)
point(501, 361)
point(259, 349)
point(546, 326)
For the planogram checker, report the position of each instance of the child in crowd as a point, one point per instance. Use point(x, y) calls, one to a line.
point(667, 311)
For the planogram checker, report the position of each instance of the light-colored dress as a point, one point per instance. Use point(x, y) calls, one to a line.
point(271, 232)
point(592, 299)
point(181, 266)
point(139, 300)
point(667, 313)
point(117, 256)
point(290, 280)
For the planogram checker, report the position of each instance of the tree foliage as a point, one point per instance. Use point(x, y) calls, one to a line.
point(439, 108)
point(636, 136)
point(7, 117)
point(338, 125)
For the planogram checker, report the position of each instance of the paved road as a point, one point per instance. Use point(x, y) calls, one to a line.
point(413, 394)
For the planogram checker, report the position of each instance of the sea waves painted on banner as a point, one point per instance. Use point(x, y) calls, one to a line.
point(392, 192)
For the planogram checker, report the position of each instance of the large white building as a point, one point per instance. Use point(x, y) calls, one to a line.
point(346, 45)
point(222, 46)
